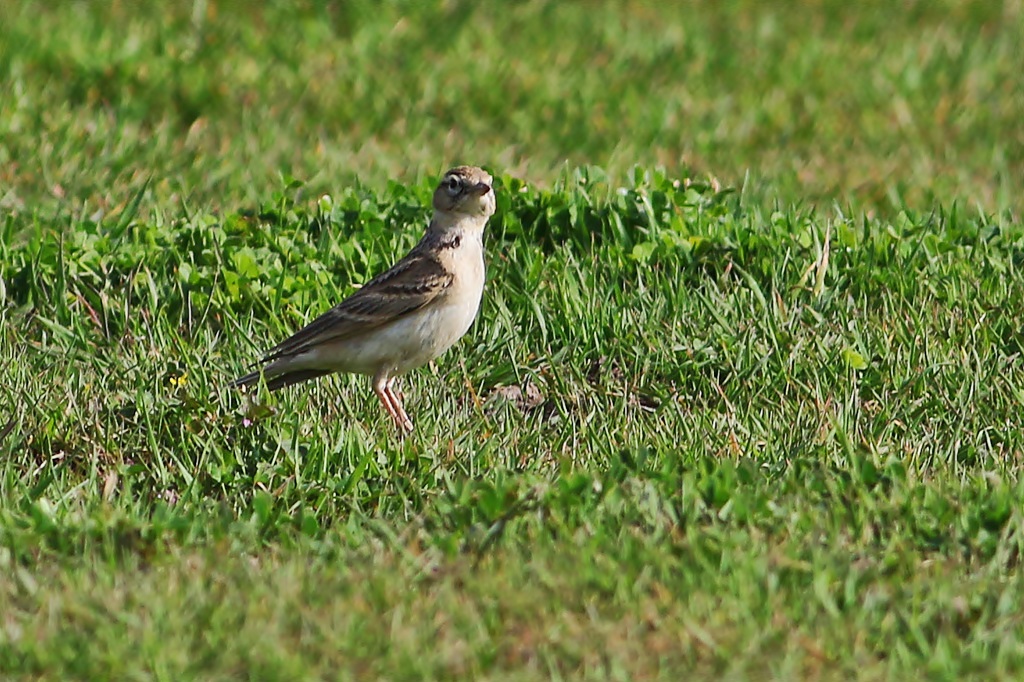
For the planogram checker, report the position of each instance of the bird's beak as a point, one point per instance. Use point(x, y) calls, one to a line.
point(481, 188)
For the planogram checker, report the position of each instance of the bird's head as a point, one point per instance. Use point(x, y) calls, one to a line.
point(465, 191)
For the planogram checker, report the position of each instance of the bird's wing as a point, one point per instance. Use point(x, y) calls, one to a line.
point(412, 283)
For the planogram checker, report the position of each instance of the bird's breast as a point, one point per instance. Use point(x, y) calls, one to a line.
point(461, 301)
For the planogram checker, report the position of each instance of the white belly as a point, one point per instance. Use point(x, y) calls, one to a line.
point(406, 344)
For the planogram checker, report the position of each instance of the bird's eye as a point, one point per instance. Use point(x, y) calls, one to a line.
point(454, 185)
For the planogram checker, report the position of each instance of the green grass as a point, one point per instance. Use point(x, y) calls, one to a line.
point(780, 431)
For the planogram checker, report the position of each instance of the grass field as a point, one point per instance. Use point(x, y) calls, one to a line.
point(743, 401)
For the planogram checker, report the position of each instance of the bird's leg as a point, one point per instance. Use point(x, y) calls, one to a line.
point(396, 400)
point(380, 387)
point(392, 383)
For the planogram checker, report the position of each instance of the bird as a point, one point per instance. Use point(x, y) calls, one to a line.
point(406, 316)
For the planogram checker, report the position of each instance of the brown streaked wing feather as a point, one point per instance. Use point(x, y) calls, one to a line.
point(413, 282)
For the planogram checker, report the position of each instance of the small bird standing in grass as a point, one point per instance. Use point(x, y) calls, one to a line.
point(405, 317)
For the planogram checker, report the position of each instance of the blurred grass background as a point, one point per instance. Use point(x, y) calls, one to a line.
point(872, 106)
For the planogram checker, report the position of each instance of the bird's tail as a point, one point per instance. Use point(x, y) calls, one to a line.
point(280, 380)
point(248, 379)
